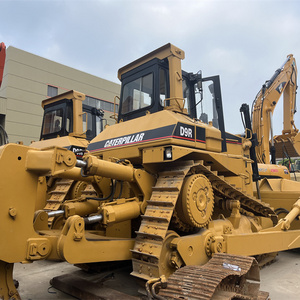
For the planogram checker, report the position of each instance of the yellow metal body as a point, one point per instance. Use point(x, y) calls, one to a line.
point(161, 196)
point(126, 146)
point(63, 141)
point(26, 165)
point(273, 171)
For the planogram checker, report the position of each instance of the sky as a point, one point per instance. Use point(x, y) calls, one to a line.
point(243, 41)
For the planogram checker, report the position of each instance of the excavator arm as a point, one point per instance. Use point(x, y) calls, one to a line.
point(283, 82)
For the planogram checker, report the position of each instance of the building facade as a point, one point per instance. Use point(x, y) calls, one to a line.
point(28, 79)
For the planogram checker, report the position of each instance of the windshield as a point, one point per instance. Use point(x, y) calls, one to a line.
point(53, 121)
point(137, 94)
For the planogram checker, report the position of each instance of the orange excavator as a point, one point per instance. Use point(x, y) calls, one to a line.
point(3, 134)
point(283, 82)
point(2, 60)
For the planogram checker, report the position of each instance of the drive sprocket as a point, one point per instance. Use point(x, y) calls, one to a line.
point(195, 206)
point(77, 189)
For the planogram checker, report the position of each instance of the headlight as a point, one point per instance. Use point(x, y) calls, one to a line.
point(168, 153)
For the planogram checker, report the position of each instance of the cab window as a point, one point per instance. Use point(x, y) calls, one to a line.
point(53, 121)
point(87, 118)
point(206, 104)
point(137, 94)
point(186, 95)
point(163, 87)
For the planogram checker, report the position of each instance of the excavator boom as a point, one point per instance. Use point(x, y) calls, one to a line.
point(283, 82)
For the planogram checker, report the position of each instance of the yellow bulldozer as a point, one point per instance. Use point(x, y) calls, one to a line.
point(169, 189)
point(69, 123)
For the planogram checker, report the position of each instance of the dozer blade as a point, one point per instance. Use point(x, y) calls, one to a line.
point(287, 144)
point(223, 277)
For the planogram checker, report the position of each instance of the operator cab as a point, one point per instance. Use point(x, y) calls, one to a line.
point(58, 120)
point(146, 89)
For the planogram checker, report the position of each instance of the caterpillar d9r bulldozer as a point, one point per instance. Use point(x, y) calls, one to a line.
point(173, 189)
point(69, 123)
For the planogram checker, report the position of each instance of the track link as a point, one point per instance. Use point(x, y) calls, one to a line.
point(156, 220)
point(227, 191)
point(223, 277)
point(58, 195)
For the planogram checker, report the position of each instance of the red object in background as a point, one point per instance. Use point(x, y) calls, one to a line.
point(2, 60)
